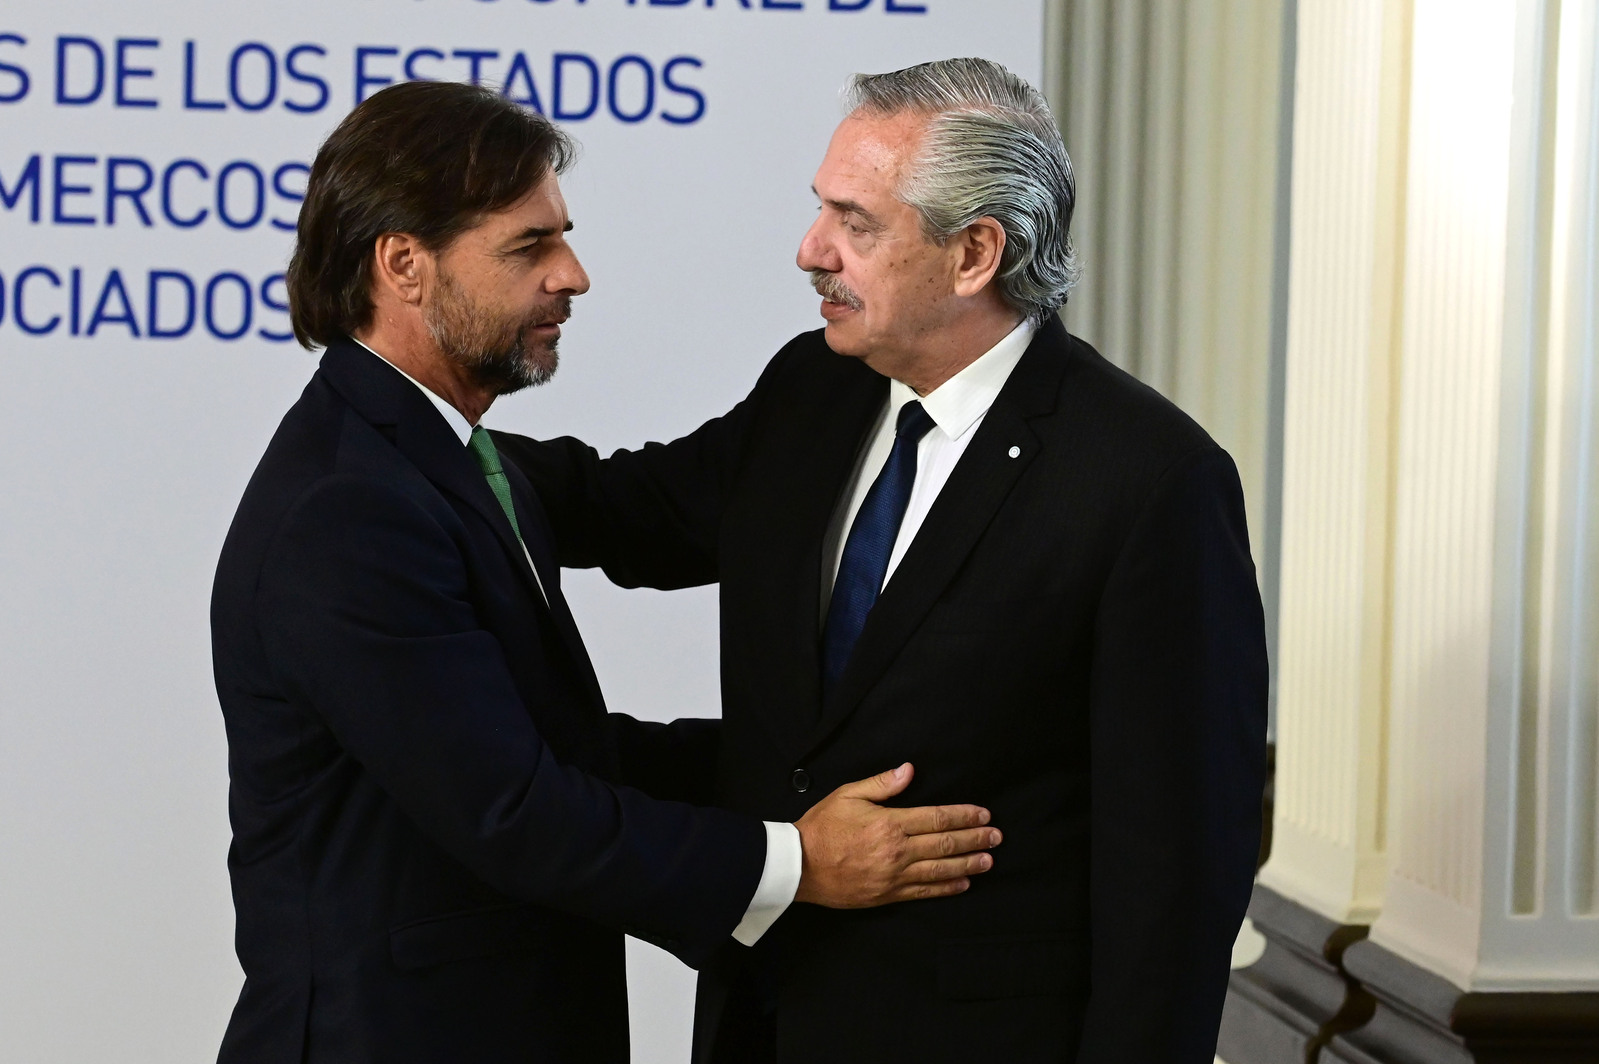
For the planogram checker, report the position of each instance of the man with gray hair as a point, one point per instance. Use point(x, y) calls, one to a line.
point(973, 540)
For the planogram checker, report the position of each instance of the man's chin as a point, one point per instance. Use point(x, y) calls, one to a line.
point(542, 364)
point(540, 359)
point(843, 340)
point(503, 377)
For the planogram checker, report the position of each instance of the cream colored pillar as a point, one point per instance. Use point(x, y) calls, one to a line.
point(1438, 767)
point(1495, 669)
point(1487, 943)
point(1329, 848)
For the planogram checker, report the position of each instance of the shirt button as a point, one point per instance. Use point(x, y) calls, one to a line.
point(801, 780)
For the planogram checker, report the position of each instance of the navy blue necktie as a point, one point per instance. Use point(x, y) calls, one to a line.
point(871, 541)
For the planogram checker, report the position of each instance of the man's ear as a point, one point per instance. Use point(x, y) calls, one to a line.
point(979, 248)
point(401, 267)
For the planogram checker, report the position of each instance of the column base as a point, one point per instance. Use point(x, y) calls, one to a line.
point(1285, 1006)
point(1422, 1018)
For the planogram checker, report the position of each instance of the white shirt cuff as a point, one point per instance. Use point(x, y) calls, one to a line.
point(779, 883)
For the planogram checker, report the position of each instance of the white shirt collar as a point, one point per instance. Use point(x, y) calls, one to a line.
point(457, 420)
point(960, 402)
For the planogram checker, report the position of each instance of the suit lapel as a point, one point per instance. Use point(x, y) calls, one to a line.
point(382, 395)
point(998, 454)
point(798, 505)
point(538, 536)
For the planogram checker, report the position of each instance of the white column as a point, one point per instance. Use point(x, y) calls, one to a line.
point(1495, 645)
point(1329, 850)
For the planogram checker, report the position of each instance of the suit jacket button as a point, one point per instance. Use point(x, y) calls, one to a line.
point(801, 780)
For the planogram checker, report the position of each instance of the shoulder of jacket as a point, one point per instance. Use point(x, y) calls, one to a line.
point(1127, 408)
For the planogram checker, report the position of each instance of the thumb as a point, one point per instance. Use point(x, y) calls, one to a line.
point(880, 787)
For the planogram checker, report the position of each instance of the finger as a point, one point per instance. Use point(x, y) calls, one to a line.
point(880, 787)
point(967, 864)
point(929, 818)
point(951, 843)
point(923, 891)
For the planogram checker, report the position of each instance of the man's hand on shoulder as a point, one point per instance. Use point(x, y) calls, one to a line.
point(859, 853)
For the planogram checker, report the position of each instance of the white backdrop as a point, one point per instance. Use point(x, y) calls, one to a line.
point(162, 147)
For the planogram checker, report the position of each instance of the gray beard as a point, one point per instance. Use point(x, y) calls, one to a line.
point(493, 353)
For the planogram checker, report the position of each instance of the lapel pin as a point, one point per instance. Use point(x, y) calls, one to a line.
point(1015, 452)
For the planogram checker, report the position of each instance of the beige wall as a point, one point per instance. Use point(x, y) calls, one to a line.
point(1170, 110)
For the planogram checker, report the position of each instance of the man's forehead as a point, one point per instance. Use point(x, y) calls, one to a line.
point(542, 207)
point(870, 149)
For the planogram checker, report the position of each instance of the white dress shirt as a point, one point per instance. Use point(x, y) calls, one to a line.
point(784, 857)
point(957, 407)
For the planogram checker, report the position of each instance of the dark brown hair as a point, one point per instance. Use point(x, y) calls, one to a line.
point(426, 158)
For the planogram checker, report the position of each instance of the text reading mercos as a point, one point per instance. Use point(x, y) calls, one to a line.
point(112, 190)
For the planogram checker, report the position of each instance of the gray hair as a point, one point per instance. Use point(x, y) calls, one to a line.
point(991, 149)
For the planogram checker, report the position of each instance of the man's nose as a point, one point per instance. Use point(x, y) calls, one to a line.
point(816, 252)
point(569, 277)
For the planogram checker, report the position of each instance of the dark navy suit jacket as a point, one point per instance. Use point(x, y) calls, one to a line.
point(435, 856)
point(1074, 640)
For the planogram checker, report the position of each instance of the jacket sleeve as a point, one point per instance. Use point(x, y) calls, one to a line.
point(1178, 731)
point(649, 517)
point(675, 761)
point(364, 613)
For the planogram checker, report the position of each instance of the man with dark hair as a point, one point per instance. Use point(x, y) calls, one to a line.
point(973, 538)
point(437, 840)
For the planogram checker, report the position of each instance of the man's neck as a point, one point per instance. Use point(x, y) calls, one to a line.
point(953, 348)
point(420, 358)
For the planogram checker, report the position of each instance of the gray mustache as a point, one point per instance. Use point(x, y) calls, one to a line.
point(833, 290)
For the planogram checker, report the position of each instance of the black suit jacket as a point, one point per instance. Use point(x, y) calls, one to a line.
point(1074, 639)
point(433, 857)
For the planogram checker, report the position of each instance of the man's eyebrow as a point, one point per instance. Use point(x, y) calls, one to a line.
point(533, 232)
point(850, 207)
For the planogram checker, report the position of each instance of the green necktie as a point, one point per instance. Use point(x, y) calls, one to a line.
point(482, 448)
